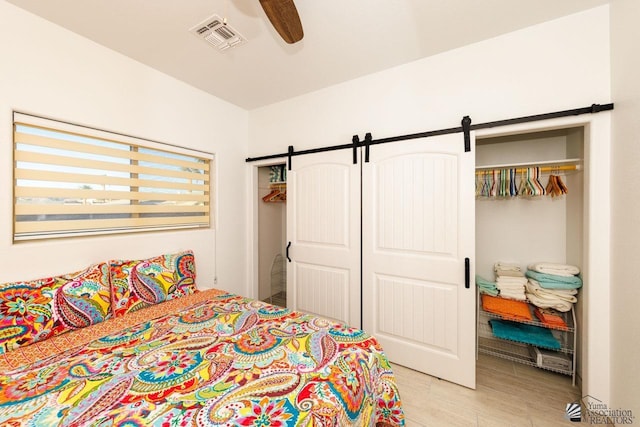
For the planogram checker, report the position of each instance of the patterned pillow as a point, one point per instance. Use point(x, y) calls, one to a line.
point(140, 283)
point(35, 310)
point(85, 297)
point(26, 312)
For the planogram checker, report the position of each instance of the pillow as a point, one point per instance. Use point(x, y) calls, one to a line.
point(140, 283)
point(35, 310)
point(26, 312)
point(85, 297)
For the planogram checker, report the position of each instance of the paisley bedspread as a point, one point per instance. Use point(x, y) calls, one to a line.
point(220, 361)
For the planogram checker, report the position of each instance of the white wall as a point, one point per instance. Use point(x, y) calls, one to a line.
point(553, 66)
point(625, 256)
point(52, 72)
point(556, 65)
point(504, 226)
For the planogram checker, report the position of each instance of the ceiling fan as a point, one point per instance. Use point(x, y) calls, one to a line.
point(284, 18)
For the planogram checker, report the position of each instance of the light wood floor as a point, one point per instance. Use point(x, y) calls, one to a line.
point(507, 394)
point(278, 299)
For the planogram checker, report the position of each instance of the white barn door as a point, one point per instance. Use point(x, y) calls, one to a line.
point(323, 228)
point(418, 228)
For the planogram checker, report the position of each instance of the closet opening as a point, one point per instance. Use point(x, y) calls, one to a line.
point(530, 211)
point(272, 234)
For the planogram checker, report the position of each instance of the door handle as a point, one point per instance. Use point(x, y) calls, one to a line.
point(467, 273)
point(287, 253)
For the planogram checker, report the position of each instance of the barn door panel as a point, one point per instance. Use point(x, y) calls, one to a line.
point(418, 240)
point(323, 226)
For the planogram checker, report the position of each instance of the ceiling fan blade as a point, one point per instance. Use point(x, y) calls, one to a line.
point(284, 18)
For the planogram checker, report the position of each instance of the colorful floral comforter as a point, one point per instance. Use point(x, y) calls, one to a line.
point(220, 361)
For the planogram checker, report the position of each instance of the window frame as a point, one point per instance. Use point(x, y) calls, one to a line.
point(174, 185)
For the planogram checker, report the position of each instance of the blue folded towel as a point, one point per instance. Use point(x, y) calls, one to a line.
point(486, 287)
point(551, 281)
point(528, 334)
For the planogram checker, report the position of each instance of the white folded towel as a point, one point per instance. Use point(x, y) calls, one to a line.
point(559, 305)
point(556, 269)
point(559, 299)
point(511, 273)
point(508, 280)
point(533, 288)
point(514, 288)
point(513, 294)
point(506, 267)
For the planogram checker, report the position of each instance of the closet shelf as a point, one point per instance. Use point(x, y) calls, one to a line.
point(565, 316)
point(513, 351)
point(485, 331)
point(574, 164)
point(521, 351)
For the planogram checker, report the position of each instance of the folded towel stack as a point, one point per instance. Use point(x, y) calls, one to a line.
point(553, 285)
point(486, 287)
point(558, 299)
point(555, 281)
point(510, 281)
point(555, 269)
point(506, 269)
point(550, 281)
point(511, 287)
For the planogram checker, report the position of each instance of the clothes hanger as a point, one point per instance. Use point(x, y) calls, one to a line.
point(522, 189)
point(504, 181)
point(494, 183)
point(555, 180)
point(563, 187)
point(277, 194)
point(556, 185)
point(552, 186)
point(487, 184)
point(539, 184)
point(537, 188)
point(531, 189)
point(269, 197)
point(530, 180)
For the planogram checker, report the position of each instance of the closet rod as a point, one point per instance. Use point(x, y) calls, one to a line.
point(541, 169)
point(592, 109)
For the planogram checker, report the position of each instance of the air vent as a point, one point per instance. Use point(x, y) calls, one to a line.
point(217, 33)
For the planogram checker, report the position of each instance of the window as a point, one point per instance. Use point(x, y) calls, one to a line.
point(71, 180)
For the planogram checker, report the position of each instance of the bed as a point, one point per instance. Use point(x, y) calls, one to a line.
point(201, 358)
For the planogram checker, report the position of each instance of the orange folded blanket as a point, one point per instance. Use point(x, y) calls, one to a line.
point(549, 318)
point(509, 309)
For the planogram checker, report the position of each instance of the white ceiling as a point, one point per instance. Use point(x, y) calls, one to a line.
point(344, 39)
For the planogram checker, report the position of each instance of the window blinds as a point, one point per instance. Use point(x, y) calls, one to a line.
point(71, 180)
